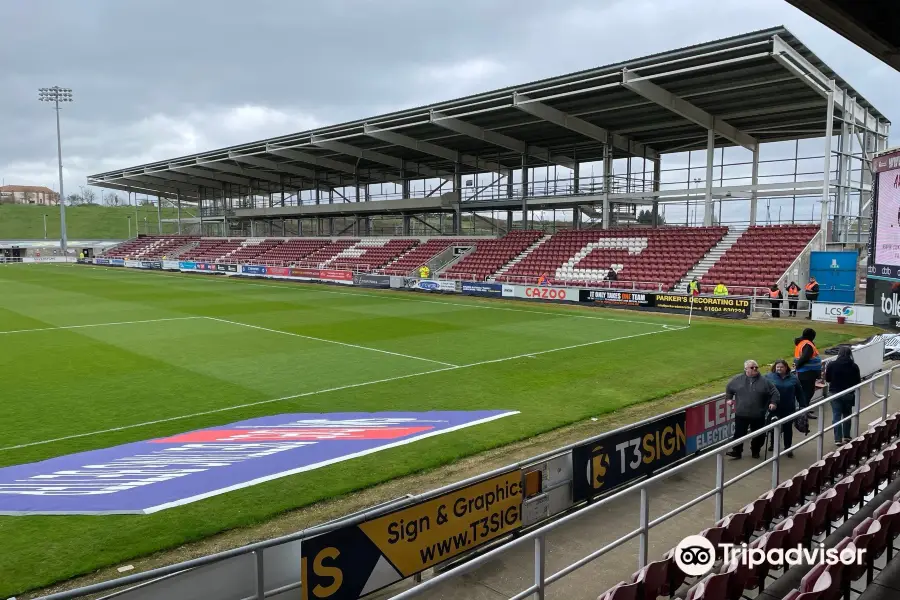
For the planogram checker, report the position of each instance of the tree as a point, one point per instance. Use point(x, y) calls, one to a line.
point(88, 196)
point(112, 199)
point(29, 197)
point(645, 217)
point(73, 200)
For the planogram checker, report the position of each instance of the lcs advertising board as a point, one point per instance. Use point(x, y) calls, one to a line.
point(857, 314)
point(707, 306)
point(708, 424)
point(354, 561)
point(609, 462)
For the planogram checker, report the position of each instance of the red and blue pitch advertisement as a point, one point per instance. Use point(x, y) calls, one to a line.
point(149, 476)
point(708, 424)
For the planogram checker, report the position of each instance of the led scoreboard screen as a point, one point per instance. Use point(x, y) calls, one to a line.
point(884, 248)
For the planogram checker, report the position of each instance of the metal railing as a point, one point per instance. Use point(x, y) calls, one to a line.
point(538, 537)
point(258, 549)
point(606, 284)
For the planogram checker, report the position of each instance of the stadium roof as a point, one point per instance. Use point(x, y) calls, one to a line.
point(762, 86)
point(871, 25)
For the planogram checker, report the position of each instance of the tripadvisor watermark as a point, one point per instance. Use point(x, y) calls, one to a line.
point(695, 555)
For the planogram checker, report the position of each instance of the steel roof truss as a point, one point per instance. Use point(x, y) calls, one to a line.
point(685, 109)
point(499, 139)
point(578, 125)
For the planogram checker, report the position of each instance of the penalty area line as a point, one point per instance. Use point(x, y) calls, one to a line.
point(333, 389)
point(99, 325)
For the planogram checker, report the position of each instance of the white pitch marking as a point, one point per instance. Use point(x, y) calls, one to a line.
point(311, 288)
point(327, 390)
point(318, 339)
point(100, 325)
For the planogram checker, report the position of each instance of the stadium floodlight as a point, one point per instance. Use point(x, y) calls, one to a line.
point(56, 95)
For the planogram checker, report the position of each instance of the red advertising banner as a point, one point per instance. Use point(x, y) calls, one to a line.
point(278, 271)
point(336, 275)
point(708, 424)
point(307, 273)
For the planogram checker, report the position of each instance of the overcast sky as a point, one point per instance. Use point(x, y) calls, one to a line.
point(156, 79)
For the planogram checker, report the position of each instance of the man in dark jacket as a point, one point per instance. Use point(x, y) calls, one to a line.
point(749, 396)
point(807, 365)
point(842, 374)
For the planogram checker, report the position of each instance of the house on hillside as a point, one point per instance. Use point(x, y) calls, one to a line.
point(28, 194)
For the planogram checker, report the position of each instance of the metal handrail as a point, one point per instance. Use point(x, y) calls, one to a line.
point(537, 535)
point(606, 284)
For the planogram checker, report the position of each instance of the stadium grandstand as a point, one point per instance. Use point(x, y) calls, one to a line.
point(520, 165)
point(502, 187)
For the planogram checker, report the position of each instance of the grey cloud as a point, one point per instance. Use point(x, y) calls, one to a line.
point(155, 79)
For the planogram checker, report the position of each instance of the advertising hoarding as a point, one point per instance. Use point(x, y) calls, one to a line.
point(149, 476)
point(607, 463)
point(618, 298)
point(884, 245)
point(372, 281)
point(708, 424)
point(706, 306)
point(856, 314)
point(354, 561)
point(491, 290)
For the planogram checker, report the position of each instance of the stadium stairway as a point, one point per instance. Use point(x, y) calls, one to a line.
point(505, 577)
point(710, 258)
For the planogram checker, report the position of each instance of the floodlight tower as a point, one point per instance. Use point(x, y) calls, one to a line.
point(56, 95)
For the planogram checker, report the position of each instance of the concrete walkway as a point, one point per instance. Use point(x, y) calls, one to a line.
point(513, 572)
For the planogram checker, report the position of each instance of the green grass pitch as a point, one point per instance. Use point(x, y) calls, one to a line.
point(94, 357)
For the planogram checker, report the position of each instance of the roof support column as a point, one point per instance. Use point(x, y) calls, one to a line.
point(457, 187)
point(754, 181)
point(826, 169)
point(657, 175)
point(404, 181)
point(607, 183)
point(158, 215)
point(524, 191)
point(576, 174)
point(710, 158)
point(406, 221)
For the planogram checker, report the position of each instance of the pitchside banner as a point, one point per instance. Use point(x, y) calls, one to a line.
point(609, 462)
point(619, 299)
point(372, 281)
point(430, 285)
point(708, 424)
point(349, 563)
point(707, 306)
point(146, 477)
point(540, 292)
point(493, 290)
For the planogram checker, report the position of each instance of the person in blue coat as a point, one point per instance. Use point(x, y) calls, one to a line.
point(790, 398)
